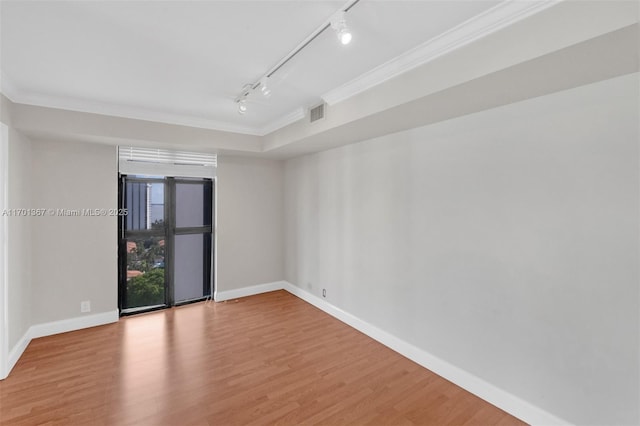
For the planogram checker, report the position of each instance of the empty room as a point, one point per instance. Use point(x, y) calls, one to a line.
point(364, 212)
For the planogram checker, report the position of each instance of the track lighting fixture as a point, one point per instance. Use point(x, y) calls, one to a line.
point(339, 24)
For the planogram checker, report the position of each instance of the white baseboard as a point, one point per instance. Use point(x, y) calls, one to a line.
point(221, 296)
point(481, 388)
point(72, 324)
point(55, 327)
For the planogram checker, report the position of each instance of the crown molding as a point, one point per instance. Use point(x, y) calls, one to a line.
point(500, 16)
point(130, 112)
point(17, 96)
point(7, 87)
point(115, 110)
point(285, 120)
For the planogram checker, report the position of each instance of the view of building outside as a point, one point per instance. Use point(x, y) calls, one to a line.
point(155, 193)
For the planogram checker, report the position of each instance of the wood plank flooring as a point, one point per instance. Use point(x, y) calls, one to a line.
point(265, 359)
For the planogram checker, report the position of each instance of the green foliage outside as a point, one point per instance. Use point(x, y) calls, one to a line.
point(148, 288)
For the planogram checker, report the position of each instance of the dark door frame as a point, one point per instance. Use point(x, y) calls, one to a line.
point(169, 232)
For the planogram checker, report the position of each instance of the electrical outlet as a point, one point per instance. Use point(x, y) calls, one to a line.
point(324, 292)
point(85, 306)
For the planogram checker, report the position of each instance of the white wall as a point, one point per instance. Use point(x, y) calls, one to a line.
point(73, 258)
point(4, 327)
point(504, 242)
point(19, 238)
point(250, 222)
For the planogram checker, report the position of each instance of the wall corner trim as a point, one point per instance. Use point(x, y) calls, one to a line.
point(477, 386)
point(16, 353)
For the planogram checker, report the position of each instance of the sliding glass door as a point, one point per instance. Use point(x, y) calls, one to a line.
point(143, 276)
point(191, 233)
point(165, 242)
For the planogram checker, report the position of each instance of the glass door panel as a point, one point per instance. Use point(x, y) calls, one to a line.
point(145, 204)
point(145, 272)
point(193, 204)
point(191, 266)
point(193, 218)
point(143, 237)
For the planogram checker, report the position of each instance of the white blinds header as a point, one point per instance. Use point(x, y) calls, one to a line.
point(163, 162)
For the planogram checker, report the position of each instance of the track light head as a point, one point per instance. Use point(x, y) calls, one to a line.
point(264, 89)
point(344, 35)
point(242, 106)
point(339, 24)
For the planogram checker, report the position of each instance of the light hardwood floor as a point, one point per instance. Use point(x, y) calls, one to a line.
point(265, 359)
